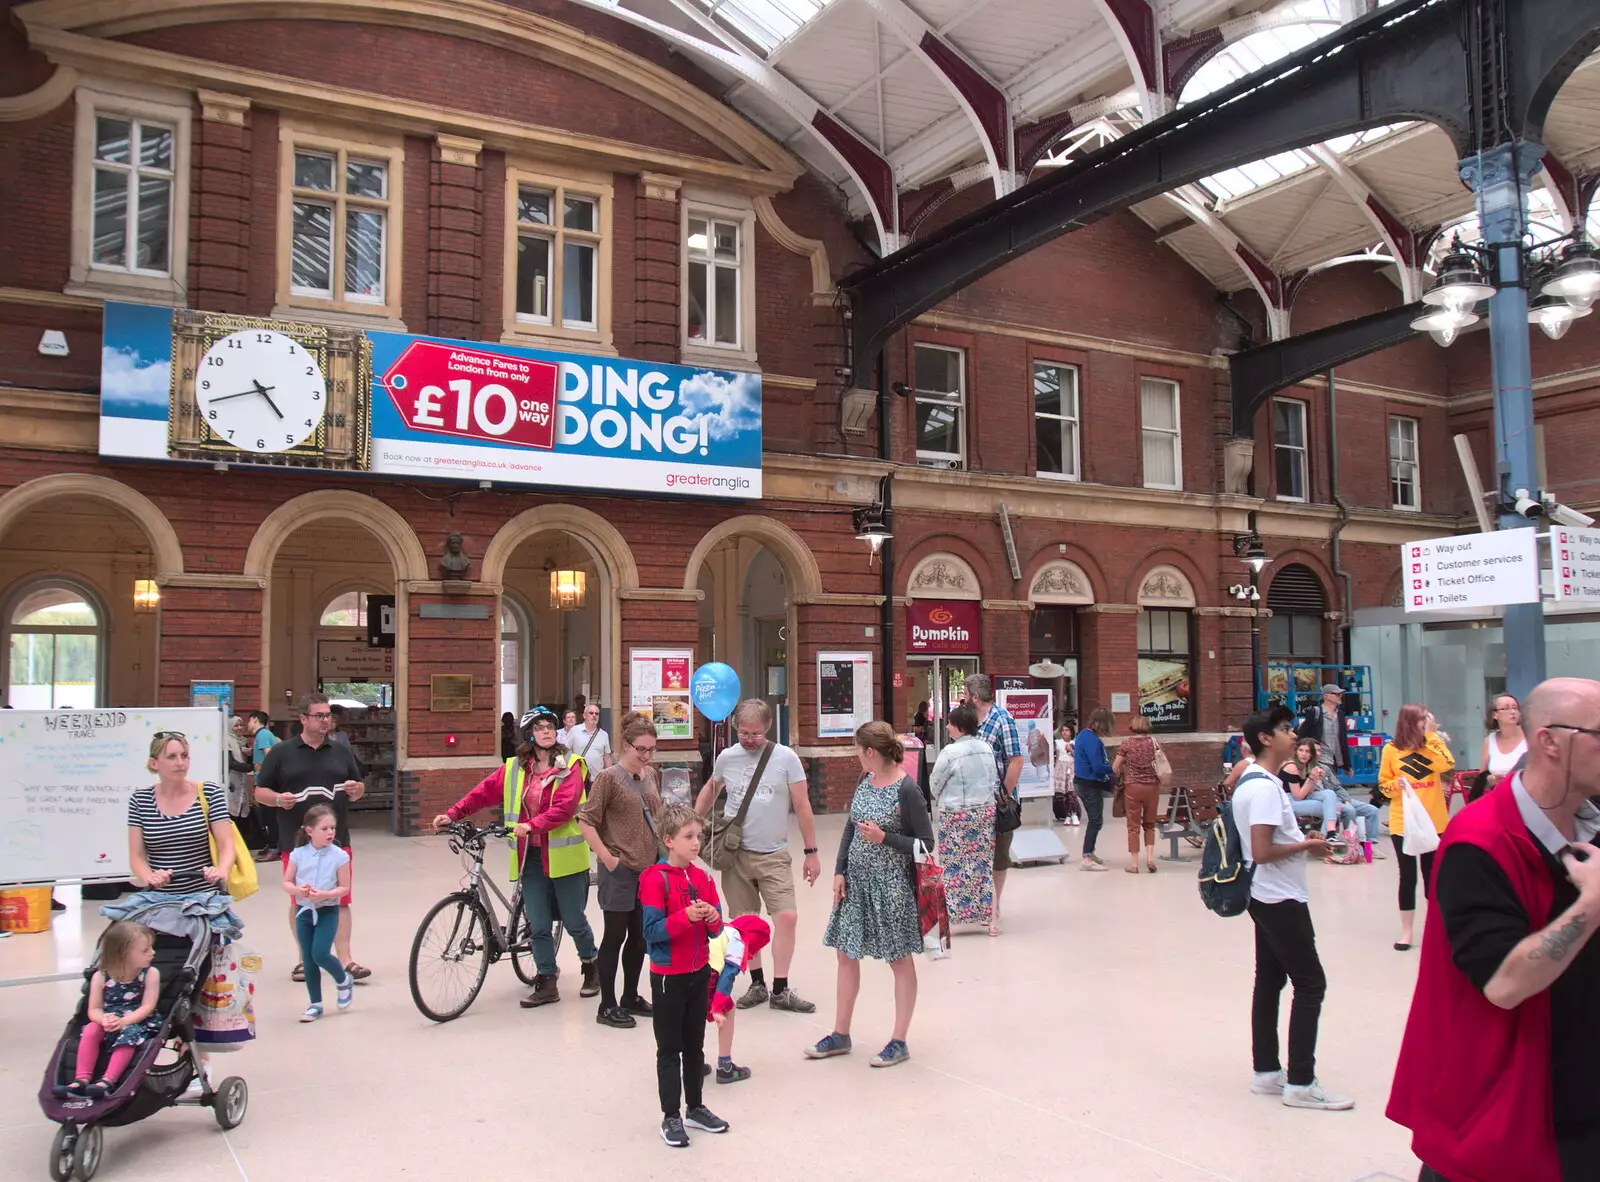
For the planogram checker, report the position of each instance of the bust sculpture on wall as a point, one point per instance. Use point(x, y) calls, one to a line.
point(453, 566)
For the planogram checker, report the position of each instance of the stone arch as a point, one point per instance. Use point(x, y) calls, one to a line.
point(598, 534)
point(1061, 581)
point(799, 564)
point(1304, 558)
point(1093, 572)
point(393, 532)
point(166, 552)
point(1165, 586)
point(1145, 565)
point(943, 575)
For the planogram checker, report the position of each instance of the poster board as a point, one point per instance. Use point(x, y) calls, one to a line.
point(66, 778)
point(1034, 711)
point(658, 685)
point(844, 693)
point(214, 695)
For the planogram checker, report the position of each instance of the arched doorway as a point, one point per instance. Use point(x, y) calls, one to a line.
point(1058, 591)
point(944, 640)
point(1296, 630)
point(55, 637)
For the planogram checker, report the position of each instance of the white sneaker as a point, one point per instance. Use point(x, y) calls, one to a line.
point(1090, 864)
point(1312, 1096)
point(1268, 1083)
point(313, 1012)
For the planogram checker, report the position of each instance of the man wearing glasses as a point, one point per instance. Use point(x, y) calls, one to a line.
point(1511, 962)
point(306, 770)
point(763, 870)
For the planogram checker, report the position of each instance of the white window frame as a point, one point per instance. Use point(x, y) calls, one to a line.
point(1071, 458)
point(552, 328)
point(942, 459)
point(1175, 434)
point(145, 105)
point(335, 303)
point(1414, 462)
point(701, 204)
point(1302, 449)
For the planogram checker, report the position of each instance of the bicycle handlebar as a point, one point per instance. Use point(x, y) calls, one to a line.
point(466, 835)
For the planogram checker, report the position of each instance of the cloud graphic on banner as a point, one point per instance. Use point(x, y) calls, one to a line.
point(728, 403)
point(126, 377)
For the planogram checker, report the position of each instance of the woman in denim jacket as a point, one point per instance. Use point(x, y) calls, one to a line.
point(964, 784)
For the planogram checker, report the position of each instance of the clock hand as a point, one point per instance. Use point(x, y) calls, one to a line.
point(262, 390)
point(242, 394)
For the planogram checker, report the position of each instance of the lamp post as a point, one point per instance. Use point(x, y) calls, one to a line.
point(1565, 289)
point(1248, 547)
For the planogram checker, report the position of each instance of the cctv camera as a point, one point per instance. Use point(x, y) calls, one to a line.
point(1565, 515)
point(900, 388)
point(1526, 505)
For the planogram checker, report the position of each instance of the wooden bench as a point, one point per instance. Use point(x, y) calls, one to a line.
point(1190, 812)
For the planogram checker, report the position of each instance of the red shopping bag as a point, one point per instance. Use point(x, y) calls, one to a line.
point(931, 906)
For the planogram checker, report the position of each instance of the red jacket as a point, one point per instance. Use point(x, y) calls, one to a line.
point(550, 801)
point(676, 943)
point(1473, 1080)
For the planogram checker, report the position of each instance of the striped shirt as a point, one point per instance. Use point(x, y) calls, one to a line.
point(177, 843)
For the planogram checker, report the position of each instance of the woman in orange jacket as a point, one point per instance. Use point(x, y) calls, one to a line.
point(1419, 755)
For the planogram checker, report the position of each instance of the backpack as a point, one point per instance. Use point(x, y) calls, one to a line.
point(1224, 877)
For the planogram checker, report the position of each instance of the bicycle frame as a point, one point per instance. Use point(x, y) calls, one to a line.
point(483, 886)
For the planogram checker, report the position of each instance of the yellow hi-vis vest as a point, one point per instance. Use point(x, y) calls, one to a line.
point(569, 852)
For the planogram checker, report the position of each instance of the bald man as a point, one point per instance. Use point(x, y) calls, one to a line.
point(1500, 1067)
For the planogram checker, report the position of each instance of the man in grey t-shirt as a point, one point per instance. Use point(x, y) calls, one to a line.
point(762, 870)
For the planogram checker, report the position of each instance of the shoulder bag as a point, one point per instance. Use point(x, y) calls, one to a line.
point(727, 834)
point(1163, 766)
point(242, 882)
point(1007, 811)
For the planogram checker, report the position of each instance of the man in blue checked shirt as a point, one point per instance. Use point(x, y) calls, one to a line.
point(997, 728)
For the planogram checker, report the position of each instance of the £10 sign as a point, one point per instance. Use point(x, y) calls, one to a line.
point(491, 397)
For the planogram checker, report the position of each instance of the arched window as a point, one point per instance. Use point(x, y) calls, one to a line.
point(1294, 633)
point(348, 610)
point(516, 654)
point(1166, 650)
point(55, 632)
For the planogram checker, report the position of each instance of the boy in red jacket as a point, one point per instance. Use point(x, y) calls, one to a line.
point(681, 914)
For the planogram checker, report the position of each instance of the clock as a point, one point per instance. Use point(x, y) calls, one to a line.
point(260, 390)
point(257, 391)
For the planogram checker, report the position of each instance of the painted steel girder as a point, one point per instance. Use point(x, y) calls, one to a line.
point(1407, 61)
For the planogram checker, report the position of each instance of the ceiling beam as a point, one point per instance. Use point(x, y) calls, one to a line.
point(1404, 244)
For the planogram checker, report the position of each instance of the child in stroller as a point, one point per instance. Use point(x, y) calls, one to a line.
point(160, 1066)
point(122, 1000)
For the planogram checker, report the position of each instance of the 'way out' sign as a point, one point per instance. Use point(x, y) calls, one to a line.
point(1471, 570)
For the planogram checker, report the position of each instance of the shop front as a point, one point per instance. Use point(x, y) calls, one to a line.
point(1057, 594)
point(944, 640)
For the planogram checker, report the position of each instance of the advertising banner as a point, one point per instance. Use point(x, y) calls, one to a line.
point(1164, 692)
point(944, 626)
point(844, 693)
point(1034, 711)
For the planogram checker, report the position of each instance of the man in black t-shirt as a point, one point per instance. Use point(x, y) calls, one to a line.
point(308, 770)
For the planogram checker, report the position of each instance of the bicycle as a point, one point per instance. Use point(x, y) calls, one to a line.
point(461, 936)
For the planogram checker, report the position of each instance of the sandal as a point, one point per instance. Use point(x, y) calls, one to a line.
point(1134, 869)
point(359, 972)
point(299, 973)
point(1150, 867)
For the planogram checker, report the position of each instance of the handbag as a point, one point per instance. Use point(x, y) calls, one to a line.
point(932, 908)
point(1119, 802)
point(1163, 767)
point(242, 882)
point(727, 834)
point(224, 1014)
point(1007, 812)
point(1420, 837)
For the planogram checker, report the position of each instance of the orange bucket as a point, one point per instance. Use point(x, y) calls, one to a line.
point(25, 909)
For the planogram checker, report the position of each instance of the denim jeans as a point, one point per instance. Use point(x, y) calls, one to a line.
point(1370, 817)
point(1323, 805)
point(543, 898)
point(1093, 795)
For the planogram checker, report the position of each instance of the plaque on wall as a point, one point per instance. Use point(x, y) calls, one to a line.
point(450, 693)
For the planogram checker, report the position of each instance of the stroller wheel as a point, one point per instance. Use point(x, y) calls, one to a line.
point(86, 1156)
point(230, 1101)
point(61, 1152)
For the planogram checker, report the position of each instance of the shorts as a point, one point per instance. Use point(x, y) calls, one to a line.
point(1002, 850)
point(283, 859)
point(755, 879)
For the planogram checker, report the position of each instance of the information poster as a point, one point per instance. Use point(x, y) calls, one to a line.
point(1164, 686)
point(844, 693)
point(658, 686)
point(1034, 710)
point(216, 694)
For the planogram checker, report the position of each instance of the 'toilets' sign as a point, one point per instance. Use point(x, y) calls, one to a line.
point(1471, 570)
point(1575, 562)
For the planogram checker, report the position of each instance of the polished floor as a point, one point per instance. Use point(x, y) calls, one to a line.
point(1105, 1036)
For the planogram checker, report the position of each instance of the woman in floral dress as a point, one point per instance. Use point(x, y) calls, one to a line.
point(964, 785)
point(874, 890)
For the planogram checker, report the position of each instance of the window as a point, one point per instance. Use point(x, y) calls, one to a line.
point(1158, 419)
point(941, 406)
point(1404, 492)
point(346, 611)
point(516, 647)
point(339, 233)
point(1289, 448)
point(719, 308)
point(130, 196)
point(558, 258)
point(54, 636)
point(1055, 420)
point(1166, 669)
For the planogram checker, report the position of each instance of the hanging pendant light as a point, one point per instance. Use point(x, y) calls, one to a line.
point(569, 587)
point(1576, 279)
point(146, 596)
point(1444, 325)
point(1553, 314)
point(1459, 283)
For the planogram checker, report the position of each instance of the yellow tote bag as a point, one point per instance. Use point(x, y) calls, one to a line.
point(242, 881)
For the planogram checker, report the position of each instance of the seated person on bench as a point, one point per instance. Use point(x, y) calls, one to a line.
point(1318, 793)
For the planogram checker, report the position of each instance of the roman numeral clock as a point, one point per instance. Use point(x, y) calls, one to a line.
point(272, 392)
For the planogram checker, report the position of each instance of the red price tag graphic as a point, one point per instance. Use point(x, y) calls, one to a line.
point(493, 397)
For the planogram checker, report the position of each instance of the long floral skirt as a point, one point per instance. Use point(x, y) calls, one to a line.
point(966, 851)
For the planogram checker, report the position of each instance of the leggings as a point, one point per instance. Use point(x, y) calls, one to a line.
point(680, 1001)
point(1408, 873)
point(316, 931)
point(89, 1055)
point(621, 926)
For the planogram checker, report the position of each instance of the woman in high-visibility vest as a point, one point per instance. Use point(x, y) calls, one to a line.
point(542, 786)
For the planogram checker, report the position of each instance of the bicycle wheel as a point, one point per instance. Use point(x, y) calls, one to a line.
point(522, 946)
point(450, 957)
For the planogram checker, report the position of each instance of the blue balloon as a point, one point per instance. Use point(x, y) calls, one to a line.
point(714, 688)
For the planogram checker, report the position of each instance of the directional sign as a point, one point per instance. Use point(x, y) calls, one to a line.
point(1575, 562)
point(447, 389)
point(1471, 570)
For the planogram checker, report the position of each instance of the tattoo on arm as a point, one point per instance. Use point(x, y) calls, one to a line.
point(1555, 945)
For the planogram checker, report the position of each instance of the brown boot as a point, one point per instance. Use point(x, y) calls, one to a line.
point(544, 992)
point(591, 979)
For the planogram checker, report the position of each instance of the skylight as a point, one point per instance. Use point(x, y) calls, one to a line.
point(1544, 225)
point(767, 23)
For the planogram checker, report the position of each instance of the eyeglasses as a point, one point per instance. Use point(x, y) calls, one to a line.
point(1567, 726)
point(324, 714)
point(165, 735)
point(761, 734)
point(650, 750)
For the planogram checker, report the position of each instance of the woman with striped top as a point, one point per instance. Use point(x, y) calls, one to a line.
point(167, 845)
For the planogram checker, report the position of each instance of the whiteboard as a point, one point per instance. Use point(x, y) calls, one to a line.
point(65, 779)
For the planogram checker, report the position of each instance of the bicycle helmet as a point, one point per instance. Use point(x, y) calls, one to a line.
point(535, 715)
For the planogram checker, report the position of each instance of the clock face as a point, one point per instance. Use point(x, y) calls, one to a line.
point(260, 391)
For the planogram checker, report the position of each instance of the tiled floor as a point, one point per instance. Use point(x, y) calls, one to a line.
point(1104, 1037)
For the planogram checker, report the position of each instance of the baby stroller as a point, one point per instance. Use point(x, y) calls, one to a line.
point(155, 1079)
